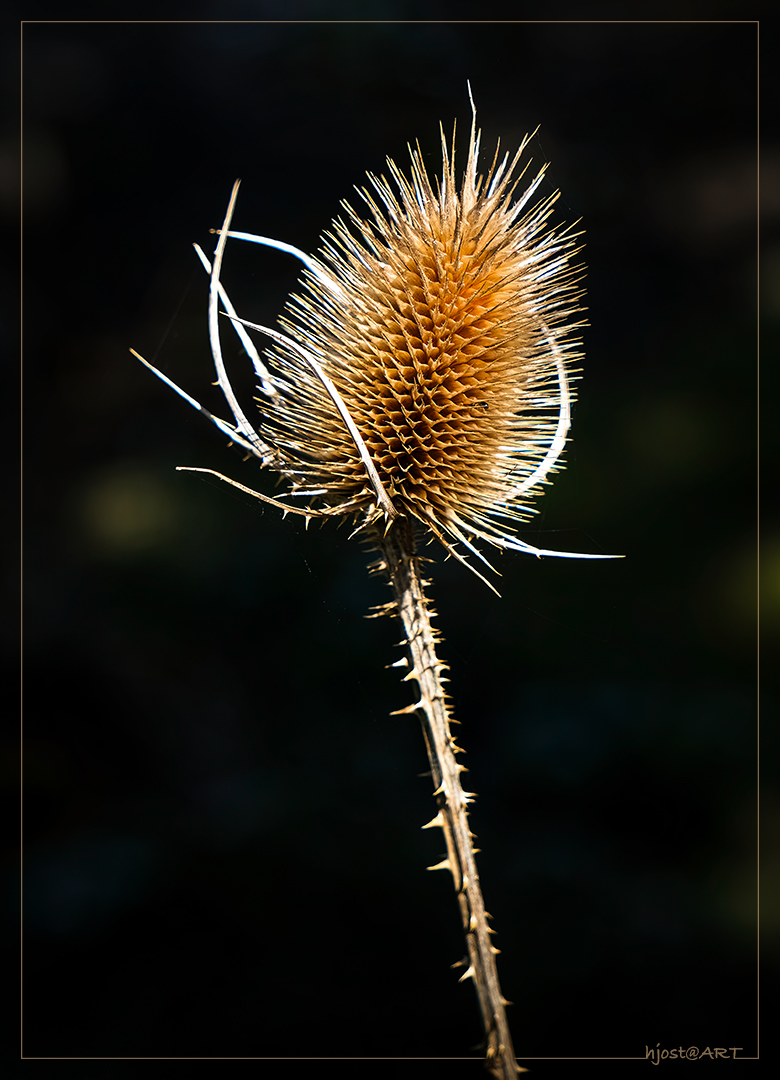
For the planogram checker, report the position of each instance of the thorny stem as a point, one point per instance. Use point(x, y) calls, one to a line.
point(402, 567)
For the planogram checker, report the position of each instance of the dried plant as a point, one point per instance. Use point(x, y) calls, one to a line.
point(421, 387)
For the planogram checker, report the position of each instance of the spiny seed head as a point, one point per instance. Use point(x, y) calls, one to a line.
point(444, 323)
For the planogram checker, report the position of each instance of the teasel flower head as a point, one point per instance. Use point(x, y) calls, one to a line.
point(445, 323)
point(424, 371)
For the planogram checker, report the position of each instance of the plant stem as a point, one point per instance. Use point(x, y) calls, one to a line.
point(402, 567)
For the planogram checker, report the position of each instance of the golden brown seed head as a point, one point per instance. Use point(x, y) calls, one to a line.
point(445, 338)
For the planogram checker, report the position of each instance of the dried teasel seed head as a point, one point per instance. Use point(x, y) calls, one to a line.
point(445, 325)
point(425, 369)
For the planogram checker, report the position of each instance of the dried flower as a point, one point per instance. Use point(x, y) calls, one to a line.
point(425, 370)
point(440, 324)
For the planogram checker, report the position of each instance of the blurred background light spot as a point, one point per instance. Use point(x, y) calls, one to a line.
point(709, 199)
point(127, 511)
point(671, 438)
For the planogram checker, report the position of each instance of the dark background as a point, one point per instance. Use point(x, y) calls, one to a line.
point(223, 845)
